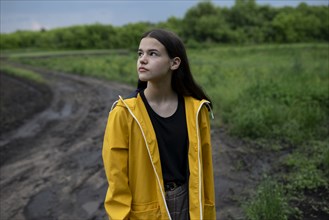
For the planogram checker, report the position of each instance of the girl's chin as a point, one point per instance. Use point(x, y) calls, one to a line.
point(142, 78)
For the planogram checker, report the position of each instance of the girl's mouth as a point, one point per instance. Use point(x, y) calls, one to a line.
point(142, 69)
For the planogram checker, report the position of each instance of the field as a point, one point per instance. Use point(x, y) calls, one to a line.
point(276, 91)
point(274, 97)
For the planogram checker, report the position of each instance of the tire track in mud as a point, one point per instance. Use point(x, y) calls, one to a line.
point(57, 172)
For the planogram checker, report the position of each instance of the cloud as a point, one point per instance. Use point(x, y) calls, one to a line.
point(37, 26)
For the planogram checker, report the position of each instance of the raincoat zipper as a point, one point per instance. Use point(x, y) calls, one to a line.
point(149, 153)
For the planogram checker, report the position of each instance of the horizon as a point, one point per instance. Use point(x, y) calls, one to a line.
point(36, 15)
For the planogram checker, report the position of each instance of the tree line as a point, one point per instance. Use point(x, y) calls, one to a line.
point(244, 23)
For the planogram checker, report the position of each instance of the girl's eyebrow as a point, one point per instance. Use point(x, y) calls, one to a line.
point(149, 50)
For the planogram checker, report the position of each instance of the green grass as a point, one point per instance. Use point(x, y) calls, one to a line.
point(30, 53)
point(271, 92)
point(303, 167)
point(118, 66)
point(22, 73)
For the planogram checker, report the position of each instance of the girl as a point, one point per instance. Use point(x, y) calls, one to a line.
point(157, 148)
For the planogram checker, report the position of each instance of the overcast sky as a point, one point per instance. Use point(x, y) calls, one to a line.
point(49, 14)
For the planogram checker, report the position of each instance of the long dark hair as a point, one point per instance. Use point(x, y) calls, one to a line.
point(182, 80)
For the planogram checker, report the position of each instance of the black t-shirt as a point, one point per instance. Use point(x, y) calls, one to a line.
point(172, 138)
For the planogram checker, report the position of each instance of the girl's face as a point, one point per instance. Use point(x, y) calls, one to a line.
point(153, 63)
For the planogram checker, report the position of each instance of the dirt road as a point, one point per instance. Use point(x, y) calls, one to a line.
point(56, 171)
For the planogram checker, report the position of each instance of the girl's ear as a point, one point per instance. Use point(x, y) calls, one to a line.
point(175, 62)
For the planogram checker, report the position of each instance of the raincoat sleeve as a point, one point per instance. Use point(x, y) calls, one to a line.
point(115, 158)
point(208, 174)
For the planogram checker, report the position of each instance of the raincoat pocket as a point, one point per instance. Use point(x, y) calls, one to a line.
point(209, 211)
point(145, 211)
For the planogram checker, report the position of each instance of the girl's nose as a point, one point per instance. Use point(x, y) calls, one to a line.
point(142, 59)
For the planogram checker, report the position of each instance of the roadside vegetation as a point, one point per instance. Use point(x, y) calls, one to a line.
point(269, 203)
point(270, 89)
point(21, 73)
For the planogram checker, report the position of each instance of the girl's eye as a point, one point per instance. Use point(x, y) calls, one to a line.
point(139, 54)
point(153, 54)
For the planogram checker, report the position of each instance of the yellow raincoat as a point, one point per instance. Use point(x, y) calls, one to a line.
point(133, 168)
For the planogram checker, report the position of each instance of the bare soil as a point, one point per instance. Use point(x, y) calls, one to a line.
point(51, 165)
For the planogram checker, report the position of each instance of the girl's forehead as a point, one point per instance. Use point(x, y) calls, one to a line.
point(148, 43)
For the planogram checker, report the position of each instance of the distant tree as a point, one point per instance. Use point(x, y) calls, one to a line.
point(128, 36)
point(9, 41)
point(248, 19)
point(205, 23)
point(302, 24)
point(245, 22)
point(174, 24)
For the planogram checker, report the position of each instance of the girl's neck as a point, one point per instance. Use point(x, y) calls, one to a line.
point(159, 93)
point(162, 99)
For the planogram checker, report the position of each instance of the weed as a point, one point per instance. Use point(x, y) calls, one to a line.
point(269, 203)
point(306, 167)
